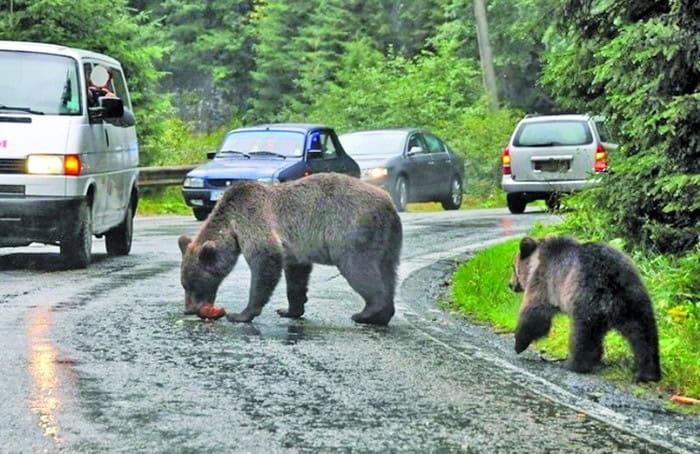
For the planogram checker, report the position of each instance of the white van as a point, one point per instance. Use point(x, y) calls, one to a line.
point(68, 150)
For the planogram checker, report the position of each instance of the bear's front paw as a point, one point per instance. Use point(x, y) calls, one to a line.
point(239, 318)
point(289, 313)
point(520, 345)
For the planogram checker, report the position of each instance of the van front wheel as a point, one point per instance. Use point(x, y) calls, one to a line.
point(76, 247)
point(118, 240)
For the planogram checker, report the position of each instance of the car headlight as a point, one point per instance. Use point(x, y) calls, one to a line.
point(45, 164)
point(376, 173)
point(193, 182)
point(268, 180)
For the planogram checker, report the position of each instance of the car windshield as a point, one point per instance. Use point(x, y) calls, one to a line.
point(373, 143)
point(39, 84)
point(551, 133)
point(263, 144)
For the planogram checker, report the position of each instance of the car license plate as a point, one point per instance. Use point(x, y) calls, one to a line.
point(552, 166)
point(216, 195)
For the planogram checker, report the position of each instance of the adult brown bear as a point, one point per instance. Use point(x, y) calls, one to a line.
point(598, 287)
point(326, 218)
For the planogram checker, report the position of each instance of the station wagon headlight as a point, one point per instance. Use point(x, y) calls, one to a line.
point(376, 173)
point(193, 182)
point(45, 164)
point(268, 180)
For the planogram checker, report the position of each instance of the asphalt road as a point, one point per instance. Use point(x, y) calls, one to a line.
point(103, 360)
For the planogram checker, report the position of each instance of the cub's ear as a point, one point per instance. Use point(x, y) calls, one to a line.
point(183, 242)
point(208, 253)
point(527, 247)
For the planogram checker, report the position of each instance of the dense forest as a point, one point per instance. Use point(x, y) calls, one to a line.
point(199, 67)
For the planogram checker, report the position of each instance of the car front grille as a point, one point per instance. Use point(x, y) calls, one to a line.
point(221, 183)
point(12, 166)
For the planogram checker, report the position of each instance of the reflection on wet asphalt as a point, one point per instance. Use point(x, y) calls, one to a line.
point(103, 360)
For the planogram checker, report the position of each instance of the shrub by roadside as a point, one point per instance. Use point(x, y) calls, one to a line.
point(480, 293)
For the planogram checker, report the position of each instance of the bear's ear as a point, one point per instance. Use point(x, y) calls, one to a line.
point(183, 242)
point(527, 247)
point(208, 253)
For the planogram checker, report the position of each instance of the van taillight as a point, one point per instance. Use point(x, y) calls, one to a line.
point(505, 161)
point(71, 165)
point(601, 159)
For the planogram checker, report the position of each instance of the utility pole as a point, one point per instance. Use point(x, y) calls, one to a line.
point(482, 34)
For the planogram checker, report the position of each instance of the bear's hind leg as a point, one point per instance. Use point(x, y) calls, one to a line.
point(644, 342)
point(297, 277)
point(367, 280)
point(585, 345)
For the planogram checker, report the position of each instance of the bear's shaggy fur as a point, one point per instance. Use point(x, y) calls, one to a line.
point(329, 219)
point(598, 287)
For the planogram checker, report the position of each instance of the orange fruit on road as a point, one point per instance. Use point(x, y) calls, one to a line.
point(209, 311)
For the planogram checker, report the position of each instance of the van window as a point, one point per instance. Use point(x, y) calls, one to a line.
point(603, 131)
point(434, 144)
point(120, 87)
point(550, 133)
point(39, 83)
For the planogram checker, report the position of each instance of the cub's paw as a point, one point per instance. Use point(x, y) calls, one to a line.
point(647, 376)
point(289, 313)
point(239, 318)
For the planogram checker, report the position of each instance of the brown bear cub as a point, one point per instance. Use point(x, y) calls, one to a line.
point(597, 287)
point(327, 218)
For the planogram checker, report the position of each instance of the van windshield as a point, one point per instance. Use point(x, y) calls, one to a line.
point(34, 83)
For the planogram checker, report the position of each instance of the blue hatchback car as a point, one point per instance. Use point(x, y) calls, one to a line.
point(268, 154)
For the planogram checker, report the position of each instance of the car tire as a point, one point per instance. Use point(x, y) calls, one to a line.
point(200, 214)
point(454, 198)
point(516, 203)
point(400, 193)
point(118, 240)
point(76, 247)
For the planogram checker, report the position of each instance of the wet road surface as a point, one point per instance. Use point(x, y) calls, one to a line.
point(103, 360)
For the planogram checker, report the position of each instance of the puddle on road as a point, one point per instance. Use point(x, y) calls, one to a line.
point(49, 373)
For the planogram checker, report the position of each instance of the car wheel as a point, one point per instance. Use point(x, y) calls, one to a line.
point(200, 214)
point(553, 202)
point(118, 240)
point(516, 203)
point(401, 193)
point(454, 200)
point(76, 247)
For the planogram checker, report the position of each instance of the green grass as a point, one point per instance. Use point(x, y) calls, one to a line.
point(162, 201)
point(480, 293)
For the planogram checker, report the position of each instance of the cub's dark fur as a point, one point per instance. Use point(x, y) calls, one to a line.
point(598, 287)
point(329, 219)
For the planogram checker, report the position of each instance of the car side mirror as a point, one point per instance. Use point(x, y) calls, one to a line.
point(313, 153)
point(211, 155)
point(415, 150)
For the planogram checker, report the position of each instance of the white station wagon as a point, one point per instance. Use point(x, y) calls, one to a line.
point(68, 150)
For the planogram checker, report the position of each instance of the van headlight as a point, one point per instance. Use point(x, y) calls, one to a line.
point(193, 182)
point(268, 180)
point(45, 164)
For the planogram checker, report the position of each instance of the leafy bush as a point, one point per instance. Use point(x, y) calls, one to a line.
point(637, 62)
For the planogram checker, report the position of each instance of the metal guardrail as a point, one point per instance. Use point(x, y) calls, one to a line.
point(163, 176)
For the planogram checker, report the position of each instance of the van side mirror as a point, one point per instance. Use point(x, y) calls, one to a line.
point(112, 107)
point(107, 108)
point(211, 155)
